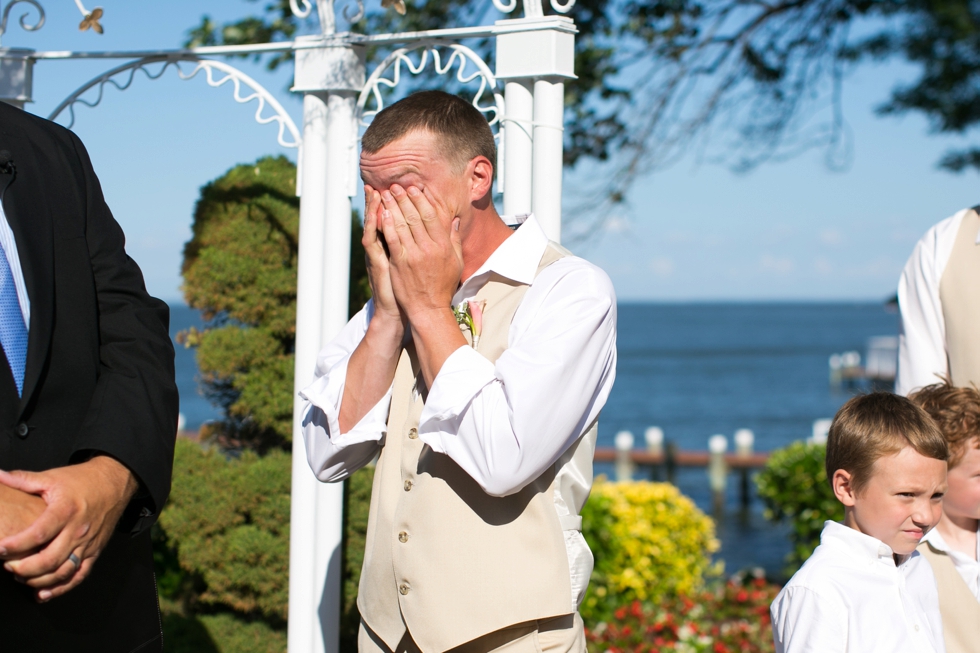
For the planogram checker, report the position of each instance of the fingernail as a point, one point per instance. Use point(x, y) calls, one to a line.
point(9, 567)
point(456, 224)
point(387, 196)
point(3, 551)
point(396, 189)
point(44, 595)
point(413, 191)
point(386, 215)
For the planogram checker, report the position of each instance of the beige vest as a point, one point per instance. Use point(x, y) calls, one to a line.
point(959, 293)
point(960, 610)
point(444, 559)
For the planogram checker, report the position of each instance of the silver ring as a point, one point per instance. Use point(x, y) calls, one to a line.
point(74, 560)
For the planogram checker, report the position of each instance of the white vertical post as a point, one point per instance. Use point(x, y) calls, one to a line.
point(309, 302)
point(517, 133)
point(535, 61)
point(549, 109)
point(330, 77)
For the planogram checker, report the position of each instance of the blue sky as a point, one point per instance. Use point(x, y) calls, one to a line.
point(792, 230)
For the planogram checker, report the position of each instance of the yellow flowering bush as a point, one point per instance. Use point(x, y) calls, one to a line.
point(650, 542)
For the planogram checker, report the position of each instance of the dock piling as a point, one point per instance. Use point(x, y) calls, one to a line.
point(717, 470)
point(624, 461)
point(654, 437)
point(744, 442)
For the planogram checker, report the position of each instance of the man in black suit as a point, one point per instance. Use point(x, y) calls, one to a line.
point(88, 407)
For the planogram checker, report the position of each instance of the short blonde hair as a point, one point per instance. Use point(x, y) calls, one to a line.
point(879, 424)
point(957, 413)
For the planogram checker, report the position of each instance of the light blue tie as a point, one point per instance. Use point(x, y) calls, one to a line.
point(13, 331)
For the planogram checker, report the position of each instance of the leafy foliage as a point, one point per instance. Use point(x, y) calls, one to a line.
point(793, 485)
point(231, 520)
point(240, 271)
point(731, 618)
point(649, 542)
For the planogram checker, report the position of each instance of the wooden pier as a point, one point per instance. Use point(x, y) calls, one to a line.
point(663, 458)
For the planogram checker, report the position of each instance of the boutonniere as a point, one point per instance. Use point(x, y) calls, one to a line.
point(469, 315)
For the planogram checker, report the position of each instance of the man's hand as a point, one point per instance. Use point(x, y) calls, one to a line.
point(379, 274)
point(83, 504)
point(426, 256)
point(18, 510)
point(426, 266)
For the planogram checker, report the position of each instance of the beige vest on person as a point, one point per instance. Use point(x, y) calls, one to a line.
point(959, 293)
point(443, 558)
point(960, 610)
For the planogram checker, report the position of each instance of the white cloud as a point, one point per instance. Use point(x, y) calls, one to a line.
point(661, 266)
point(831, 237)
point(779, 264)
point(617, 225)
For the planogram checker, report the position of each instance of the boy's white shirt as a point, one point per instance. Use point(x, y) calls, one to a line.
point(851, 597)
point(968, 568)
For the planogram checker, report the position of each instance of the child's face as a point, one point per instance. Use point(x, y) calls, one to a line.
point(901, 501)
point(962, 501)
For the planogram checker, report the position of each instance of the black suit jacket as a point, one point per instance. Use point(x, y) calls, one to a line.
point(99, 379)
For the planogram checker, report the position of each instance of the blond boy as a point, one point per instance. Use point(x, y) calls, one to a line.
point(953, 547)
point(865, 589)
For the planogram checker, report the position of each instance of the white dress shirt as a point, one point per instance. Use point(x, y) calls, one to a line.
point(922, 335)
point(968, 568)
point(504, 423)
point(13, 260)
point(851, 597)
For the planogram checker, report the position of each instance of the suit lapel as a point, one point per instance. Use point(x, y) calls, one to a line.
point(30, 220)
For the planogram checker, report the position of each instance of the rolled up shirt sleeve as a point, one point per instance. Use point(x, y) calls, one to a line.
point(505, 423)
point(333, 455)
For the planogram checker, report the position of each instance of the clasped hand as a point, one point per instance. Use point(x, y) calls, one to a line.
point(59, 512)
point(421, 270)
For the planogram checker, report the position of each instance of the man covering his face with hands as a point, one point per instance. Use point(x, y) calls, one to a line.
point(475, 375)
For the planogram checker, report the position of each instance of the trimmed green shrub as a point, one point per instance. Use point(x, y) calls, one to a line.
point(649, 541)
point(793, 486)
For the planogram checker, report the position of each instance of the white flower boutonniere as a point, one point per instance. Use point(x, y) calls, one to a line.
point(469, 315)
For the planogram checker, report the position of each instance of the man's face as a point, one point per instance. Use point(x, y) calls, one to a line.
point(962, 501)
point(902, 500)
point(416, 160)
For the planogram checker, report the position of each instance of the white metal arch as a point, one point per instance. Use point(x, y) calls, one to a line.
point(459, 55)
point(231, 74)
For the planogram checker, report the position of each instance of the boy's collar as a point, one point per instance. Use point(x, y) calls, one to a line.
point(867, 548)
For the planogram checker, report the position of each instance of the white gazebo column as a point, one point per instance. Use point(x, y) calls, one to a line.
point(533, 65)
point(330, 76)
point(16, 76)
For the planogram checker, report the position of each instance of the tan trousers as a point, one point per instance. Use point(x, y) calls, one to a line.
point(559, 635)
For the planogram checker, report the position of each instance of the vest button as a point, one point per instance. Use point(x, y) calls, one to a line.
point(408, 486)
point(403, 537)
point(413, 434)
point(22, 430)
point(404, 589)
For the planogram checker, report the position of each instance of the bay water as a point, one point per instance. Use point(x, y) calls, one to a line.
point(695, 370)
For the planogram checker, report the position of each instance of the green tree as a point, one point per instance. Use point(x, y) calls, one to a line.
point(222, 543)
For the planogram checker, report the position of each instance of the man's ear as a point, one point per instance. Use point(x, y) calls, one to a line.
point(480, 177)
point(843, 484)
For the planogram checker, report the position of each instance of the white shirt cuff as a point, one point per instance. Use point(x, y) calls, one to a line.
point(327, 392)
point(464, 374)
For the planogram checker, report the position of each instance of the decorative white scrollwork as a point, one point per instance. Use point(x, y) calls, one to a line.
point(209, 66)
point(532, 8)
point(30, 27)
point(460, 56)
point(325, 10)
